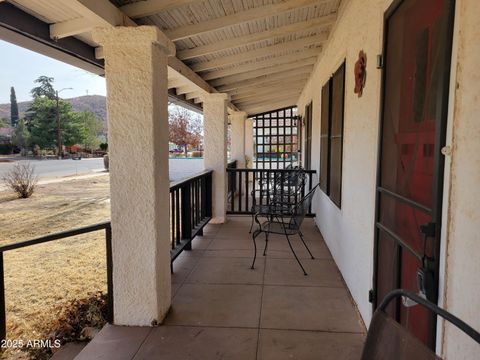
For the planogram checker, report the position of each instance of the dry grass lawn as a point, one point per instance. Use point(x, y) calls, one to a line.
point(41, 277)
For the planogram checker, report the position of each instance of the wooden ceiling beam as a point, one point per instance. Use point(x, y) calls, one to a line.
point(263, 64)
point(277, 91)
point(94, 13)
point(256, 13)
point(253, 110)
point(300, 72)
point(258, 89)
point(303, 26)
point(289, 46)
point(150, 7)
point(272, 97)
point(262, 72)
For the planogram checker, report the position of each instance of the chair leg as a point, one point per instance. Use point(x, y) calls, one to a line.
point(266, 244)
point(254, 236)
point(251, 225)
point(294, 254)
point(306, 247)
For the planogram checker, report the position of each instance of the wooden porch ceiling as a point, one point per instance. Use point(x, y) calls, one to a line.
point(222, 45)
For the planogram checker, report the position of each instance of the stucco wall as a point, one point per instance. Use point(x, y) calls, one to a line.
point(460, 282)
point(349, 231)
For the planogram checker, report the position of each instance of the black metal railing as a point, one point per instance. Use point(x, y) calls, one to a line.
point(190, 210)
point(250, 187)
point(52, 237)
point(231, 180)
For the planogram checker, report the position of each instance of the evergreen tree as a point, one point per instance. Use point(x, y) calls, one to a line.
point(13, 108)
point(21, 137)
point(42, 123)
point(44, 88)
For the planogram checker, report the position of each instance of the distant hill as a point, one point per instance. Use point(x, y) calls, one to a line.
point(93, 103)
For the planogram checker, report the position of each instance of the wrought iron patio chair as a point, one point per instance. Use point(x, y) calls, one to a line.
point(387, 339)
point(280, 190)
point(284, 221)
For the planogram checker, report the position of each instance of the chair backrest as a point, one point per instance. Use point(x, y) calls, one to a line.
point(301, 209)
point(387, 339)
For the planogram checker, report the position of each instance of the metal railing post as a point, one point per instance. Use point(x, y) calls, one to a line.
point(108, 243)
point(3, 315)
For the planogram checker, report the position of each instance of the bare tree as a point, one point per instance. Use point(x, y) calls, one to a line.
point(22, 179)
point(184, 128)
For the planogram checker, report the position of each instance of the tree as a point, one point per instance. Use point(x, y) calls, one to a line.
point(21, 136)
point(4, 122)
point(13, 108)
point(91, 129)
point(44, 89)
point(42, 123)
point(184, 128)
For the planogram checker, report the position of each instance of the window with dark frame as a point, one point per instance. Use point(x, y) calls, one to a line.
point(331, 135)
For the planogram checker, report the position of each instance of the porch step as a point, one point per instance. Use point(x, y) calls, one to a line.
point(69, 351)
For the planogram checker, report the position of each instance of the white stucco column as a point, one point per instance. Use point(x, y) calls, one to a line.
point(249, 142)
point(237, 148)
point(136, 74)
point(215, 120)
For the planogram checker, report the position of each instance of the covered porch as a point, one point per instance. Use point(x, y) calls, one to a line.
point(222, 309)
point(238, 62)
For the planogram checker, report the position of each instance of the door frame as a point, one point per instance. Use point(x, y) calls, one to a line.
point(439, 159)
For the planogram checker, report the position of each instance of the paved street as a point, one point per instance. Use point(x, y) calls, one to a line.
point(49, 169)
point(46, 169)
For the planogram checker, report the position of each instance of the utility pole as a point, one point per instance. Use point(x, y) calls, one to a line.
point(59, 129)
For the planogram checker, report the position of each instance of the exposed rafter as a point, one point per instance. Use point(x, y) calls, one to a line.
point(263, 64)
point(256, 13)
point(310, 25)
point(280, 90)
point(151, 7)
point(262, 72)
point(255, 89)
point(269, 106)
point(288, 46)
point(300, 72)
point(261, 100)
point(94, 13)
point(103, 13)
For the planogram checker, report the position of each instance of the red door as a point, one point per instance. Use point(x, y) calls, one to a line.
point(415, 92)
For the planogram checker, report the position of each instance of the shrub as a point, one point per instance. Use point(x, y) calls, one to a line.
point(103, 146)
point(22, 179)
point(197, 154)
point(6, 149)
point(106, 162)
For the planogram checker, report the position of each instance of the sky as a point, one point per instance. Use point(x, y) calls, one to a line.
point(19, 68)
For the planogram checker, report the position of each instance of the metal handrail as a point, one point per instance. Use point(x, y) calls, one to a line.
point(53, 237)
point(467, 329)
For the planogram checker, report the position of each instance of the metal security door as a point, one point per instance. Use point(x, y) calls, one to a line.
point(417, 52)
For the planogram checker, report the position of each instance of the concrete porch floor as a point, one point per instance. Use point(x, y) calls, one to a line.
point(224, 310)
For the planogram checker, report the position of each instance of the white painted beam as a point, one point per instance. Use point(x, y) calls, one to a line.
point(272, 97)
point(300, 72)
point(258, 94)
point(71, 27)
point(310, 25)
point(289, 46)
point(193, 95)
point(251, 14)
point(263, 64)
point(151, 7)
point(260, 88)
point(262, 72)
point(252, 110)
